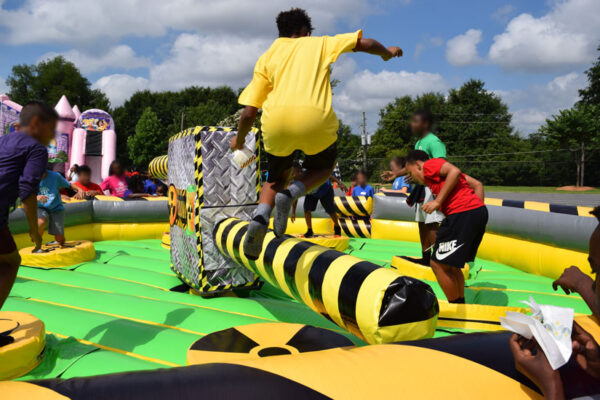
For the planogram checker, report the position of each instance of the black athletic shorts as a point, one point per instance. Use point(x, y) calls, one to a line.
point(459, 237)
point(323, 160)
point(311, 201)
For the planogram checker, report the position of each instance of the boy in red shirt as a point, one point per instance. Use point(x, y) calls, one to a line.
point(460, 198)
point(89, 188)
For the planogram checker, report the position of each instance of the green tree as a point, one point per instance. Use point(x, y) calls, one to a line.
point(591, 94)
point(349, 151)
point(48, 80)
point(147, 142)
point(573, 130)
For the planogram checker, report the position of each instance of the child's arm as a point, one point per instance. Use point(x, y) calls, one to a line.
point(246, 122)
point(340, 183)
point(31, 212)
point(79, 194)
point(293, 215)
point(476, 185)
point(452, 175)
point(372, 46)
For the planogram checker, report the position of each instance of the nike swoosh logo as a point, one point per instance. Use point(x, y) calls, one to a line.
point(444, 255)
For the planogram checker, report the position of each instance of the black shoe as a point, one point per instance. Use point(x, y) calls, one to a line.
point(309, 233)
point(419, 261)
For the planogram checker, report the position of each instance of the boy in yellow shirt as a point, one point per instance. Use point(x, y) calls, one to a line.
point(291, 84)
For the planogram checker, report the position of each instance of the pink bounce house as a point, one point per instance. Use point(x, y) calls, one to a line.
point(81, 138)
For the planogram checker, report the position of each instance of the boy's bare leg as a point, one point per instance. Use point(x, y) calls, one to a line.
point(310, 180)
point(9, 265)
point(41, 226)
point(60, 239)
point(447, 280)
point(427, 235)
point(308, 219)
point(337, 230)
point(260, 222)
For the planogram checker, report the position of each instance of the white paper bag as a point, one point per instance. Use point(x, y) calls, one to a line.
point(551, 326)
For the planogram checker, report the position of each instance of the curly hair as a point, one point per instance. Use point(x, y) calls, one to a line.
point(596, 212)
point(292, 22)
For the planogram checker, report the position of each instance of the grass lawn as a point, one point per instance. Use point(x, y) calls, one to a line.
point(536, 189)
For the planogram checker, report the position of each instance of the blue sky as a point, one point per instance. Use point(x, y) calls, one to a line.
point(531, 53)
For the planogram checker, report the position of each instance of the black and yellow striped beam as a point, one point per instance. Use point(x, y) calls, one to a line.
point(361, 206)
point(356, 227)
point(158, 167)
point(374, 303)
point(581, 211)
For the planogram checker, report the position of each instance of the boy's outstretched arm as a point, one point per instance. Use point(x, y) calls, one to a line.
point(246, 122)
point(372, 46)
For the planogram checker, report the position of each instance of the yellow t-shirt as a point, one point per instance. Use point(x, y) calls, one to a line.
point(291, 84)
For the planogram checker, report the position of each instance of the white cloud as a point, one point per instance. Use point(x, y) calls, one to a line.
point(208, 61)
point(370, 92)
point(119, 87)
point(435, 41)
point(503, 13)
point(461, 50)
point(86, 22)
point(121, 57)
point(532, 105)
point(565, 37)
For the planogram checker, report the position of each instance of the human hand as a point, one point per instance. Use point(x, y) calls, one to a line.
point(343, 187)
point(42, 199)
point(393, 51)
point(388, 175)
point(536, 367)
point(586, 351)
point(293, 217)
point(79, 195)
point(233, 143)
point(36, 238)
point(571, 280)
point(431, 206)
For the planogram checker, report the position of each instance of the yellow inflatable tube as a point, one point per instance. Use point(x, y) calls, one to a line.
point(56, 257)
point(27, 350)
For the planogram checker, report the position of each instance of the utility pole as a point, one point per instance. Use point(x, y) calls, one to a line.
point(182, 118)
point(365, 140)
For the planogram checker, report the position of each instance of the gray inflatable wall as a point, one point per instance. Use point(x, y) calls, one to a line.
point(562, 230)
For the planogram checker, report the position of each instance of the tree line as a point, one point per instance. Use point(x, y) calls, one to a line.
point(473, 122)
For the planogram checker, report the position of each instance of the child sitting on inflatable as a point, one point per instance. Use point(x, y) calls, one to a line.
point(50, 205)
point(291, 84)
point(116, 183)
point(460, 198)
point(323, 194)
point(85, 184)
point(362, 188)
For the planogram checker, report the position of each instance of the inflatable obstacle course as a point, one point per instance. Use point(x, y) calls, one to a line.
point(339, 243)
point(206, 186)
point(373, 303)
point(417, 271)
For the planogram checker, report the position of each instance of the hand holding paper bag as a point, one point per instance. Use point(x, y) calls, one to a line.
point(551, 327)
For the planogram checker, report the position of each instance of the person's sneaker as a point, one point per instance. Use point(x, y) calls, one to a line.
point(309, 233)
point(283, 205)
point(337, 230)
point(253, 242)
point(52, 243)
point(419, 261)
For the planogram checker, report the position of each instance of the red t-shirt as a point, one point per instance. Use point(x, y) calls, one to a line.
point(91, 186)
point(461, 198)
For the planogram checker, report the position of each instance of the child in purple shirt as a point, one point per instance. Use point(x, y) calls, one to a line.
point(23, 159)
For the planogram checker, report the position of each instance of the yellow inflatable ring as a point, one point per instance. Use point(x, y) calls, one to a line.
point(27, 348)
point(166, 240)
point(263, 340)
point(405, 267)
point(339, 243)
point(55, 257)
point(15, 390)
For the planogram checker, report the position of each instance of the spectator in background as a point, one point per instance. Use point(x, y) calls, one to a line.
point(150, 185)
point(73, 175)
point(400, 185)
point(89, 188)
point(162, 190)
point(116, 183)
point(362, 188)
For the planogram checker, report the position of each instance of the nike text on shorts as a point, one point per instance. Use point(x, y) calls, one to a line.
point(459, 237)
